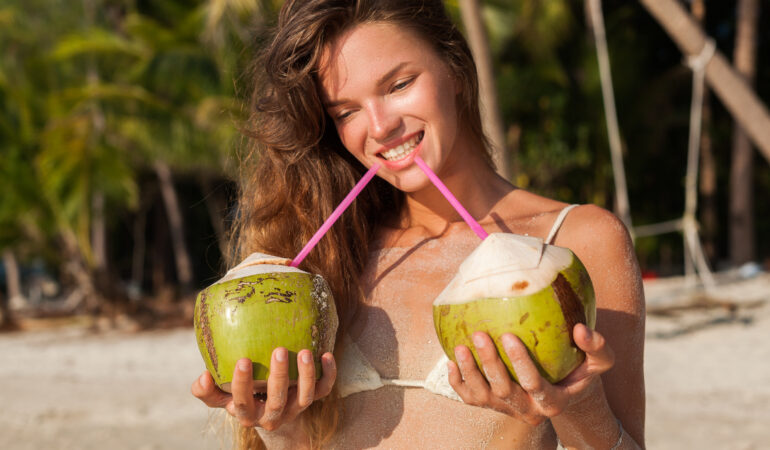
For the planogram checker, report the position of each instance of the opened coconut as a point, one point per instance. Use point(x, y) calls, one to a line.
point(517, 284)
point(259, 305)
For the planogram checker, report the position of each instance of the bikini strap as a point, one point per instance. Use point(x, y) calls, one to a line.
point(558, 222)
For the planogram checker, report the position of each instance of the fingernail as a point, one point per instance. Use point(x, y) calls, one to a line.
point(589, 333)
point(280, 355)
point(306, 358)
point(244, 365)
point(478, 341)
point(508, 341)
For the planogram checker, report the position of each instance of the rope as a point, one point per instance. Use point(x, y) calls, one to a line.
point(689, 221)
point(688, 224)
point(610, 113)
point(699, 62)
point(403, 383)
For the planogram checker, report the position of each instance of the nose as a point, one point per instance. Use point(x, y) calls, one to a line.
point(384, 122)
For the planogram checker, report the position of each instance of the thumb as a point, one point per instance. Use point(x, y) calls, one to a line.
point(598, 353)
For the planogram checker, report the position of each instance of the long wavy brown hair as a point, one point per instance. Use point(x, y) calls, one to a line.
point(295, 169)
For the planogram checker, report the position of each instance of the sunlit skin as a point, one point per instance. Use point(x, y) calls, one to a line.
point(383, 86)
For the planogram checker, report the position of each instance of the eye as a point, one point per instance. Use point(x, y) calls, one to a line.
point(402, 84)
point(342, 115)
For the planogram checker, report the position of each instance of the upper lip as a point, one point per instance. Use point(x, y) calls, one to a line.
point(396, 142)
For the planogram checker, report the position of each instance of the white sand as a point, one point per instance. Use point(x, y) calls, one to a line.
point(707, 369)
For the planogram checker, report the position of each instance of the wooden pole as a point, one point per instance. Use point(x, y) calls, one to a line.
point(490, 110)
point(741, 205)
point(731, 88)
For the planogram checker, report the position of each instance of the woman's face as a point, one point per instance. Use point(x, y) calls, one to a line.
point(391, 98)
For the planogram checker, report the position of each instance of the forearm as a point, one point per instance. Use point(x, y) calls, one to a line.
point(590, 423)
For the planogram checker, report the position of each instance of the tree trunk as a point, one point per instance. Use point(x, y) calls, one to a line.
point(217, 209)
point(14, 300)
point(5, 317)
point(490, 110)
point(737, 96)
point(176, 226)
point(98, 222)
point(137, 255)
point(99, 246)
point(98, 231)
point(742, 164)
point(708, 171)
point(76, 267)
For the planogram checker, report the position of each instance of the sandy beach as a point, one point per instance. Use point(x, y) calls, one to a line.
point(707, 364)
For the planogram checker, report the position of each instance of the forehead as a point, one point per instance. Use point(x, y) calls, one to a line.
point(364, 53)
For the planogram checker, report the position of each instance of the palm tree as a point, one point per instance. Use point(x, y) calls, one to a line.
point(196, 132)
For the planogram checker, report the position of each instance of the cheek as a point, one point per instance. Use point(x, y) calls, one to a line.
point(352, 137)
point(438, 105)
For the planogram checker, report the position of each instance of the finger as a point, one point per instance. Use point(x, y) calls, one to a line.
point(242, 386)
point(324, 386)
point(494, 369)
point(207, 391)
point(539, 389)
point(306, 379)
point(599, 356)
point(277, 389)
point(472, 377)
point(526, 371)
point(456, 381)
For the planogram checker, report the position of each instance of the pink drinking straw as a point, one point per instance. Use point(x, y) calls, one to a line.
point(452, 199)
point(336, 214)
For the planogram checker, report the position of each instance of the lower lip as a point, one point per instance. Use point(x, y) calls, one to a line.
point(405, 161)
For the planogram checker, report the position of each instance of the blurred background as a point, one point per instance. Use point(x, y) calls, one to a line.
point(119, 146)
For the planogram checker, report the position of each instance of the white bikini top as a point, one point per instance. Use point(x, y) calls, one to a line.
point(356, 374)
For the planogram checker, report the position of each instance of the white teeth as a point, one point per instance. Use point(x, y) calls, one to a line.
point(401, 151)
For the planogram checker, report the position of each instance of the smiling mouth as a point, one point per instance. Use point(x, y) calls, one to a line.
point(402, 151)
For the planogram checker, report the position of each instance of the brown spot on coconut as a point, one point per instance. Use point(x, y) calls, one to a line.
point(234, 319)
point(520, 285)
point(485, 295)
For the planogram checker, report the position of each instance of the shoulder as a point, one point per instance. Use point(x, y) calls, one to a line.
point(602, 242)
point(592, 229)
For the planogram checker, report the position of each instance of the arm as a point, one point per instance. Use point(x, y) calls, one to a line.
point(605, 390)
point(602, 243)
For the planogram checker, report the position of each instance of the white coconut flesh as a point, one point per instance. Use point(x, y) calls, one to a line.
point(506, 265)
point(259, 263)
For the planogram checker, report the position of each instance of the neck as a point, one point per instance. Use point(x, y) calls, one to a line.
point(470, 179)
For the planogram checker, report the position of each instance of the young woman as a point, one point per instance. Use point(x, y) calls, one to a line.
point(346, 84)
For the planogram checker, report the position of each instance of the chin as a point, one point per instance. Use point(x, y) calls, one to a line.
point(410, 184)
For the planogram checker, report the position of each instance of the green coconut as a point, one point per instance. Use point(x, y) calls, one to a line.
point(517, 284)
point(259, 305)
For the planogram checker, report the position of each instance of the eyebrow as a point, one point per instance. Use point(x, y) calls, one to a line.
point(389, 74)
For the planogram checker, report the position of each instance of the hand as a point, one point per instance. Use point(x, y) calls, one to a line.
point(283, 404)
point(534, 399)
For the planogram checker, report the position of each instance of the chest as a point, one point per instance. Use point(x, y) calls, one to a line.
point(394, 326)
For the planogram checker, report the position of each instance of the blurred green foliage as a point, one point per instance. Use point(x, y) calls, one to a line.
point(94, 92)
